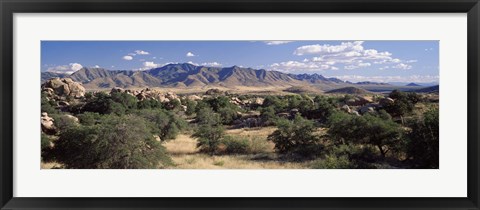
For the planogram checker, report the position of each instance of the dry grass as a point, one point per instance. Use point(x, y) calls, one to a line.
point(185, 155)
point(204, 161)
point(50, 165)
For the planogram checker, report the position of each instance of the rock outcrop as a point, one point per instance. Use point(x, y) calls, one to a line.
point(47, 124)
point(63, 88)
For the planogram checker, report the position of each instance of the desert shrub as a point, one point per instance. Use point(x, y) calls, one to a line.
point(209, 137)
point(165, 124)
point(228, 115)
point(257, 145)
point(149, 104)
point(173, 104)
point(423, 141)
point(267, 116)
point(210, 131)
point(125, 100)
point(216, 103)
point(403, 104)
point(323, 107)
point(99, 102)
point(115, 103)
point(190, 107)
point(385, 134)
point(278, 104)
point(117, 142)
point(89, 118)
point(46, 149)
point(349, 156)
point(48, 105)
point(333, 162)
point(206, 116)
point(63, 122)
point(296, 137)
point(236, 145)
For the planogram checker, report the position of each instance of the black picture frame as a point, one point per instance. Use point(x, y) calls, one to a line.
point(9, 7)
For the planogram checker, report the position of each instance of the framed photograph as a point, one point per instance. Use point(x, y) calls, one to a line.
point(262, 104)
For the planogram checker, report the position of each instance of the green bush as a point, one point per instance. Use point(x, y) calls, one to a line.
point(228, 115)
point(423, 144)
point(348, 156)
point(89, 118)
point(236, 145)
point(190, 107)
point(267, 116)
point(385, 134)
point(209, 137)
point(63, 122)
point(165, 124)
point(47, 105)
point(333, 162)
point(124, 142)
point(296, 137)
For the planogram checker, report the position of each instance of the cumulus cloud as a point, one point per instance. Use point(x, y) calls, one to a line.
point(411, 78)
point(65, 69)
point(357, 65)
point(347, 55)
point(190, 54)
point(212, 64)
point(276, 42)
point(97, 66)
point(328, 49)
point(141, 52)
point(150, 65)
point(402, 66)
point(127, 58)
point(291, 66)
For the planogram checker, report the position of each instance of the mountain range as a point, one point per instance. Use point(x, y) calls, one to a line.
point(184, 75)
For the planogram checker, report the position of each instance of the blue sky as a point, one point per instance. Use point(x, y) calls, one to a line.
point(382, 61)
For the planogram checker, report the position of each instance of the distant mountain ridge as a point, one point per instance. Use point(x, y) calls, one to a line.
point(183, 75)
point(188, 75)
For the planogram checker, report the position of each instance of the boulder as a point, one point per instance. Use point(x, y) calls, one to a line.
point(346, 108)
point(63, 88)
point(73, 118)
point(47, 124)
point(194, 98)
point(214, 91)
point(357, 101)
point(258, 101)
point(366, 109)
point(117, 90)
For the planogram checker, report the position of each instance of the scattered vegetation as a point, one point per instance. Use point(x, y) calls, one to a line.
point(118, 130)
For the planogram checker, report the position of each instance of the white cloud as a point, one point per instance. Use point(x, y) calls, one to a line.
point(402, 66)
point(127, 58)
point(357, 65)
point(190, 54)
point(291, 66)
point(150, 65)
point(212, 64)
point(276, 42)
point(411, 78)
point(97, 66)
point(141, 52)
point(191, 62)
point(327, 49)
point(132, 54)
point(352, 55)
point(66, 69)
